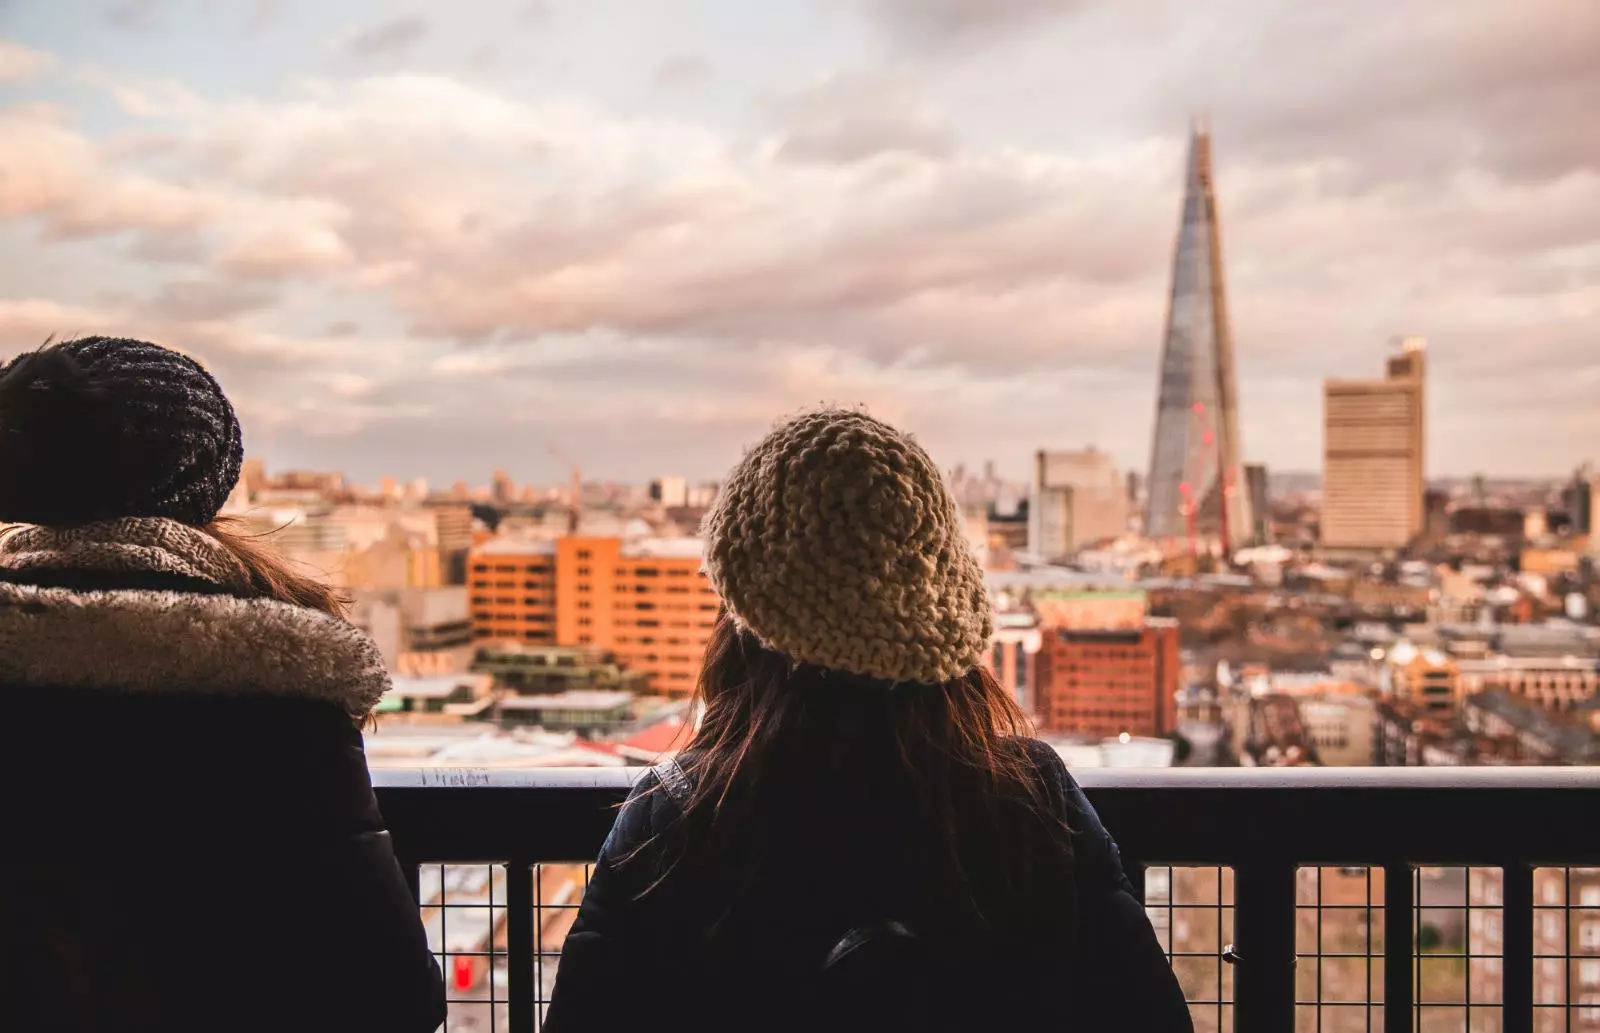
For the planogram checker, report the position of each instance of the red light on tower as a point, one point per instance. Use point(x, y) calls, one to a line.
point(461, 973)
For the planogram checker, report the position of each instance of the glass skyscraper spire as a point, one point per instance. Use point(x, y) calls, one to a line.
point(1196, 487)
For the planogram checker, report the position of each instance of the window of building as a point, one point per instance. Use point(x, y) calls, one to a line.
point(583, 571)
point(1589, 934)
point(1589, 972)
point(583, 554)
point(1589, 896)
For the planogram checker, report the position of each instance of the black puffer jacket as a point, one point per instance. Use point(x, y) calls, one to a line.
point(648, 960)
point(192, 841)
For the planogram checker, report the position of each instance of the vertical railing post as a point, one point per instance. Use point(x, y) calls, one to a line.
point(1264, 982)
point(1516, 947)
point(1397, 960)
point(521, 952)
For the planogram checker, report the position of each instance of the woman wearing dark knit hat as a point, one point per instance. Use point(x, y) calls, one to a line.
point(191, 839)
point(857, 836)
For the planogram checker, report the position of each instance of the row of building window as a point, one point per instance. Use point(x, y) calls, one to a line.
point(512, 568)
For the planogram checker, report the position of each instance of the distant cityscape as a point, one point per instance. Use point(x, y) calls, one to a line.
point(1205, 611)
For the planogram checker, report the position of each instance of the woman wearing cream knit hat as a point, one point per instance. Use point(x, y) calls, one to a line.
point(858, 836)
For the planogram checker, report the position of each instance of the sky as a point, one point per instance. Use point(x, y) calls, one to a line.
point(437, 239)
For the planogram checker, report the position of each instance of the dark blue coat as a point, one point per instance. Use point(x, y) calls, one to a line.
point(734, 944)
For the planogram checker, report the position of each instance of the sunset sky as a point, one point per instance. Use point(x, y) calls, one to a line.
point(433, 239)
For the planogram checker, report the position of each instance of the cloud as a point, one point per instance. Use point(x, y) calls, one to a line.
point(535, 11)
point(1419, 95)
point(387, 38)
point(683, 72)
point(850, 118)
point(938, 23)
point(208, 299)
point(425, 268)
point(264, 14)
point(19, 63)
point(135, 14)
point(26, 323)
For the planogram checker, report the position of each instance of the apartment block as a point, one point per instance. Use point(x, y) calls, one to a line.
point(1118, 674)
point(644, 600)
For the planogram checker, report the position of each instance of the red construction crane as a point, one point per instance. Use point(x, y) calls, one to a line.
point(1208, 450)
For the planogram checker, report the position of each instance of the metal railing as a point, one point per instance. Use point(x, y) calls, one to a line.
point(1268, 841)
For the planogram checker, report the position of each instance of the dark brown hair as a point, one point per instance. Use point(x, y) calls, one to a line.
point(270, 576)
point(950, 756)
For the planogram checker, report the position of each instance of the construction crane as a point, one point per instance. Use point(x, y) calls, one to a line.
point(1209, 450)
point(574, 492)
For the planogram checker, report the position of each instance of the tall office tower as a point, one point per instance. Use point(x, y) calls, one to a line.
point(1196, 488)
point(1255, 478)
point(1078, 499)
point(1372, 466)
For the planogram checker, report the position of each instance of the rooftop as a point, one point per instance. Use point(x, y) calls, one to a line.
point(517, 547)
point(431, 687)
point(684, 548)
point(577, 699)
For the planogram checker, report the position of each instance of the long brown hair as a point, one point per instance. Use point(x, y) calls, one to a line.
point(951, 754)
point(270, 576)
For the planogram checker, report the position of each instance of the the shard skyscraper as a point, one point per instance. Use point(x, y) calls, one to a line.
point(1196, 488)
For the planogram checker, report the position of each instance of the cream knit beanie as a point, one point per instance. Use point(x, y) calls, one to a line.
point(836, 541)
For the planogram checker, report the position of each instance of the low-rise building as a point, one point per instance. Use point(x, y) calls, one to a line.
point(545, 670)
point(1425, 675)
point(455, 697)
point(1542, 737)
point(589, 712)
point(1340, 724)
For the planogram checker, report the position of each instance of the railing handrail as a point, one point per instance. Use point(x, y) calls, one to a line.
point(620, 778)
point(1261, 822)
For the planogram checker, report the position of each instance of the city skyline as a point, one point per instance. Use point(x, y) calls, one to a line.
point(421, 246)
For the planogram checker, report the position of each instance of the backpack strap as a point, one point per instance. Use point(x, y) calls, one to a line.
point(675, 781)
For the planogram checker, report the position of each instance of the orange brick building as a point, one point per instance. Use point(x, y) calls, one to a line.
point(646, 601)
point(1105, 677)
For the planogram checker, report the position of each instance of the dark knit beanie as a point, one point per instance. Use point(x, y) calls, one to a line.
point(105, 427)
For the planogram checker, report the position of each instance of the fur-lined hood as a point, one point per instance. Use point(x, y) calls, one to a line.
point(171, 642)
